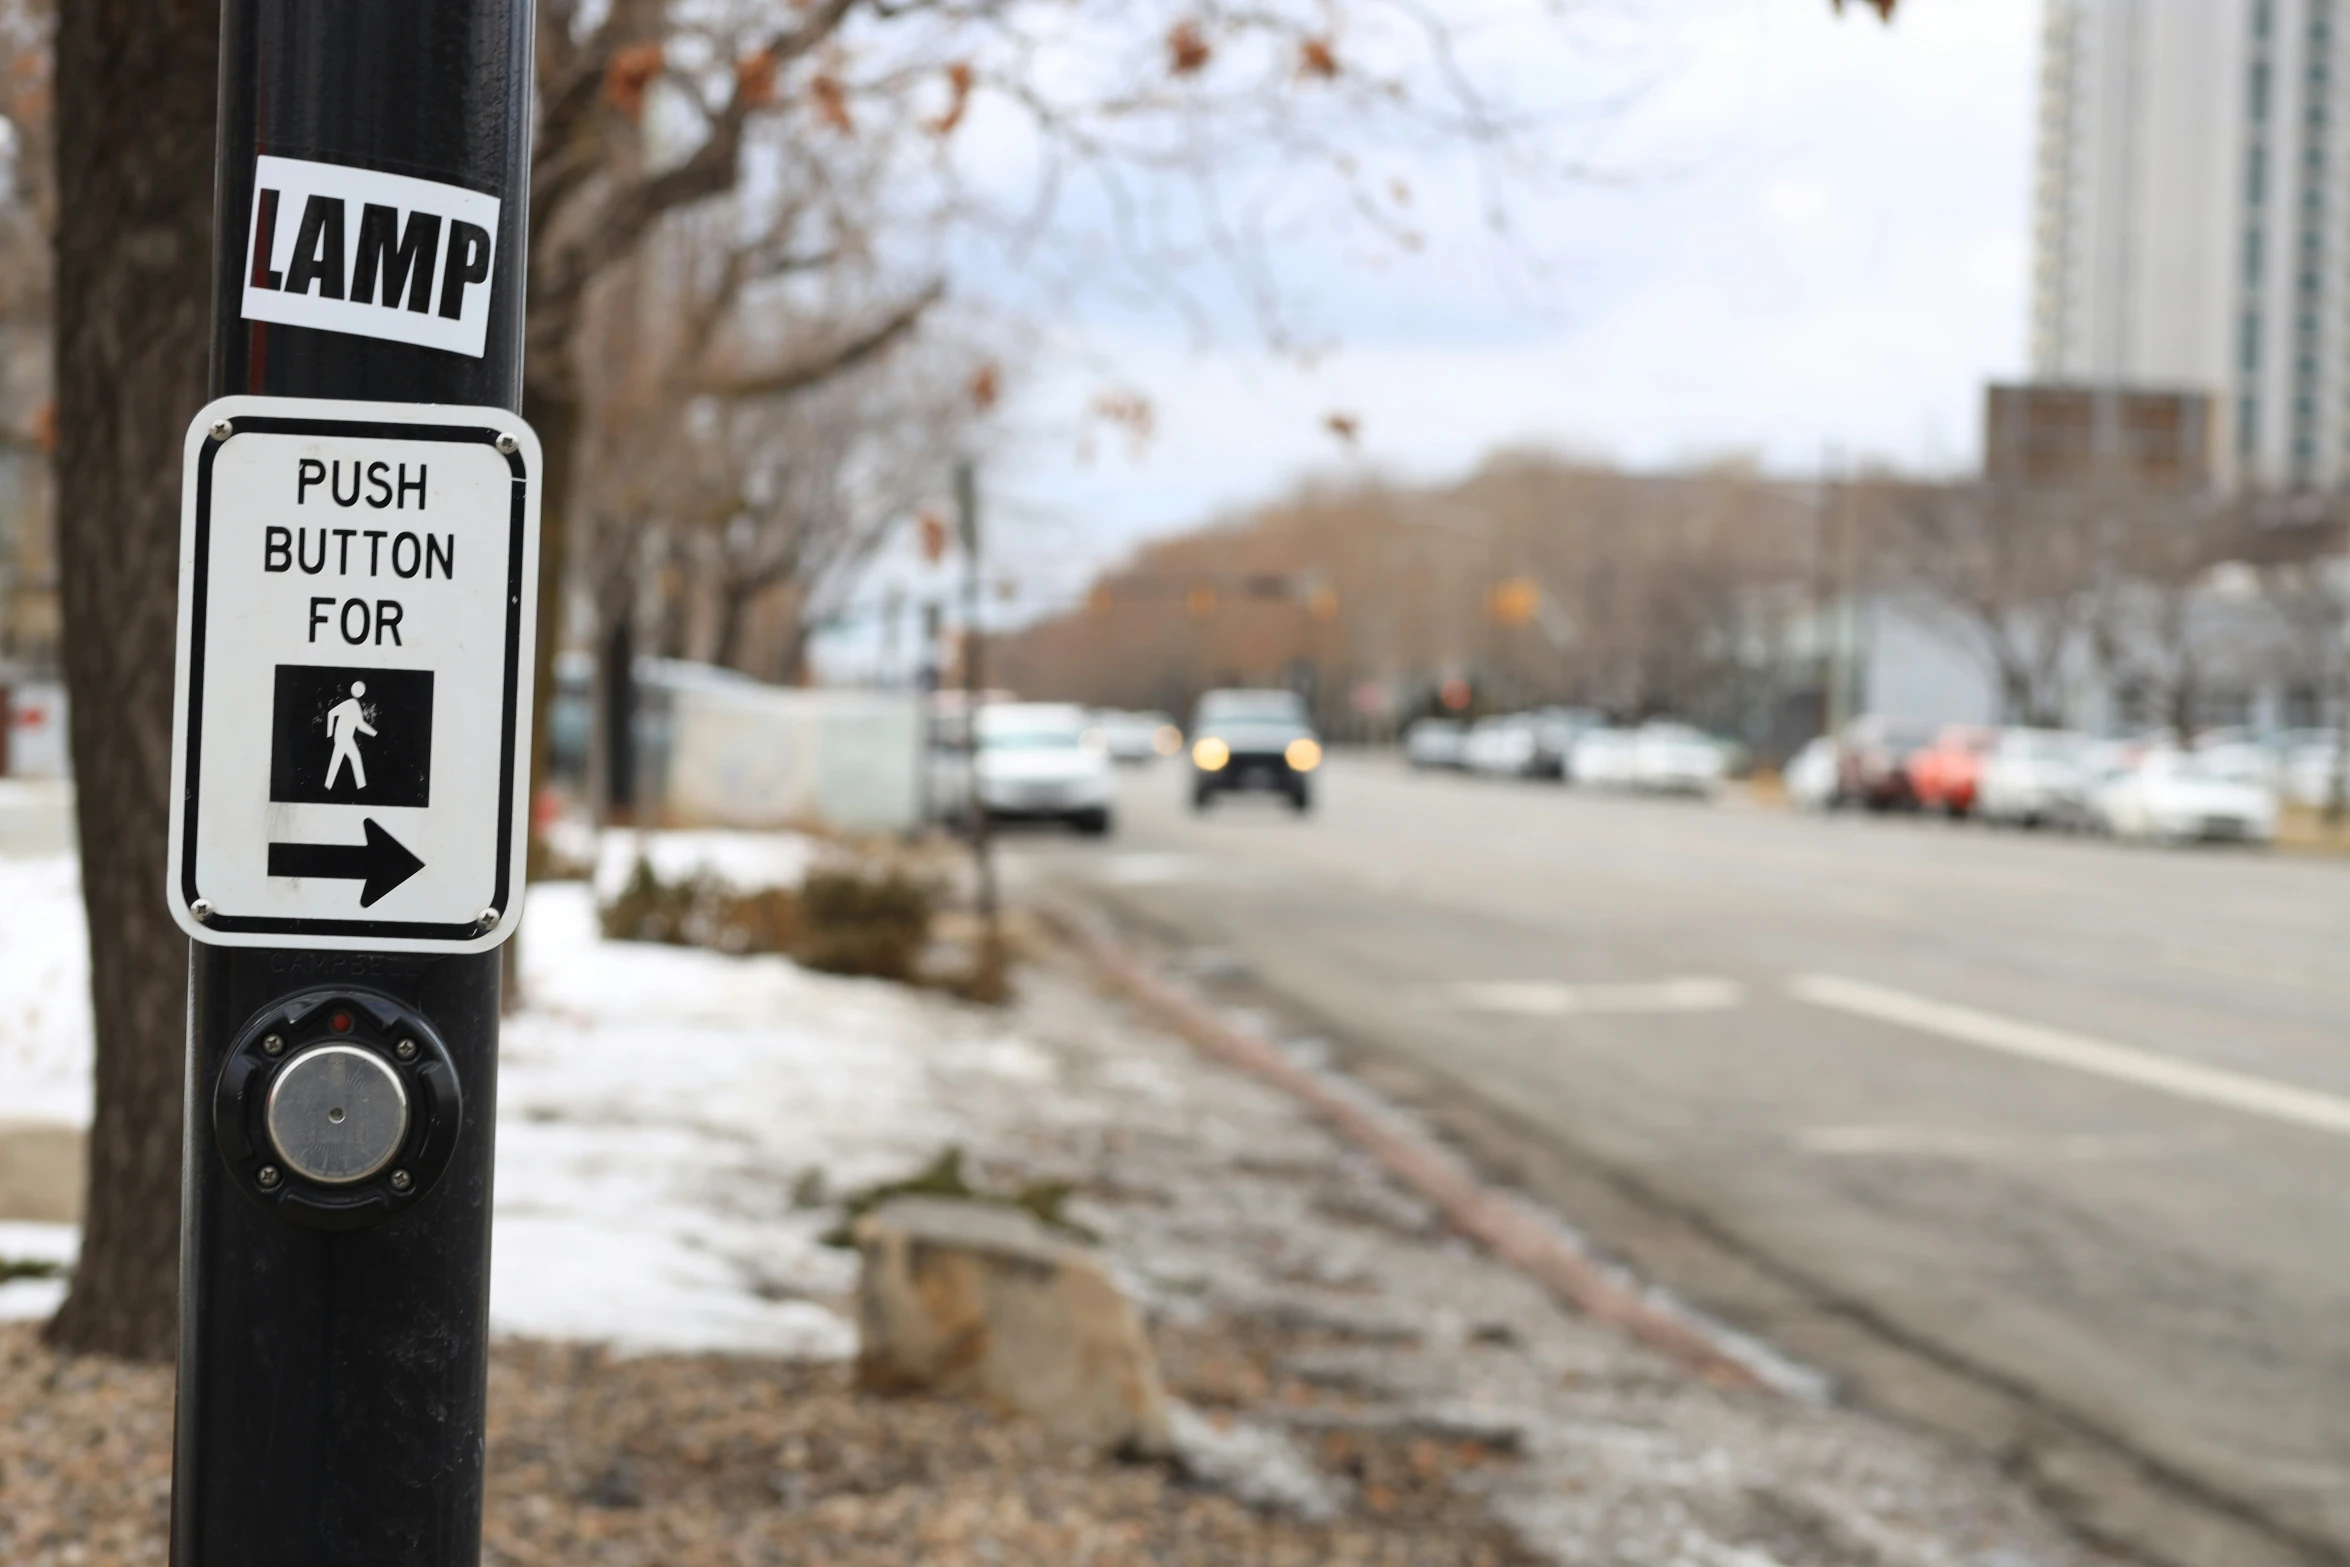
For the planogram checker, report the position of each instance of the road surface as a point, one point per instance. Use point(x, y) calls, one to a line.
point(2045, 1142)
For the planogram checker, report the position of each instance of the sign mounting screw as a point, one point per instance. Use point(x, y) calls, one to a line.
point(202, 909)
point(222, 429)
point(268, 1177)
point(486, 920)
point(506, 443)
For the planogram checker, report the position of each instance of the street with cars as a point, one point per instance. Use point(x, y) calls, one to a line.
point(2022, 1134)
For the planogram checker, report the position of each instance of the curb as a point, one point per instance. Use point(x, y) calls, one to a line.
point(1484, 1213)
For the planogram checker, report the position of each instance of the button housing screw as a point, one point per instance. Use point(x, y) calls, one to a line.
point(402, 1180)
point(268, 1176)
point(274, 1045)
point(405, 1050)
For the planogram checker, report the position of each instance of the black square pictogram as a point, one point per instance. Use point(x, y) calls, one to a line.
point(344, 736)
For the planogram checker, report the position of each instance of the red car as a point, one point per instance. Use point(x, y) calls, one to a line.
point(1872, 762)
point(1944, 774)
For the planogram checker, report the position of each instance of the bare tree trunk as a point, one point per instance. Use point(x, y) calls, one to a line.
point(734, 617)
point(136, 88)
point(555, 415)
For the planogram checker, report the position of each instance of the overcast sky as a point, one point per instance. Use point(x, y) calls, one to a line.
point(1811, 243)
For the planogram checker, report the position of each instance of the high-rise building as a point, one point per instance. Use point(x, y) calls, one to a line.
point(2193, 223)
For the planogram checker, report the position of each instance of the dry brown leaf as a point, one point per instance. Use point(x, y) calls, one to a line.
point(987, 385)
point(754, 79)
point(1345, 426)
point(960, 78)
point(1317, 58)
point(1188, 50)
point(628, 73)
point(830, 99)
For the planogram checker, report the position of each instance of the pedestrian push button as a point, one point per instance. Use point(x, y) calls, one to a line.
point(337, 1114)
point(338, 1109)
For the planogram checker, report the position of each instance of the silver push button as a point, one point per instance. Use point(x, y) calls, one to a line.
point(338, 1114)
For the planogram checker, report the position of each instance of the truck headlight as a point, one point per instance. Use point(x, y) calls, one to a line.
point(1304, 755)
point(1210, 755)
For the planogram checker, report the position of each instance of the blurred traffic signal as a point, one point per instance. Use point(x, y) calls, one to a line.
point(1515, 602)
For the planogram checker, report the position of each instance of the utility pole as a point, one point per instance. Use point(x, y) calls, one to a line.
point(989, 981)
point(372, 191)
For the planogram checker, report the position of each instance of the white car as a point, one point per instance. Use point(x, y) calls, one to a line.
point(1045, 761)
point(1670, 758)
point(1434, 742)
point(2309, 772)
point(1810, 775)
point(2177, 797)
point(1602, 759)
point(2037, 777)
point(1138, 737)
point(1504, 746)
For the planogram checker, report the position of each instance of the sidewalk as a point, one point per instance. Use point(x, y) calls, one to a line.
point(675, 1129)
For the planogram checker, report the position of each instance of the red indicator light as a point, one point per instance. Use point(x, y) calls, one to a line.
point(340, 1022)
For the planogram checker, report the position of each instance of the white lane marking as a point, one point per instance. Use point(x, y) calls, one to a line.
point(1145, 869)
point(2057, 1047)
point(1543, 998)
point(1933, 1142)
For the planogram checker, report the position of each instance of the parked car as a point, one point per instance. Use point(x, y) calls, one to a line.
point(1671, 758)
point(1434, 742)
point(2243, 758)
point(2038, 778)
point(1603, 758)
point(1555, 731)
point(1944, 776)
point(1872, 761)
point(2173, 796)
point(1244, 741)
point(1044, 761)
point(1506, 747)
point(1136, 738)
point(1810, 775)
point(2308, 773)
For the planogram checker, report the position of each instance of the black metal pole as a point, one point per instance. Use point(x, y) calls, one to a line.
point(332, 1383)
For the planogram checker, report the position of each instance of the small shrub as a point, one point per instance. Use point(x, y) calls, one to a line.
point(841, 921)
point(874, 926)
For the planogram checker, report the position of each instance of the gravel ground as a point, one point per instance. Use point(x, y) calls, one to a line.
point(718, 1462)
point(1359, 1386)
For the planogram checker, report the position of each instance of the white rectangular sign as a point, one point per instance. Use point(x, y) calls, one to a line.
point(351, 732)
point(380, 255)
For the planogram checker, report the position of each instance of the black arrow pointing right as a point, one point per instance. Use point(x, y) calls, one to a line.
point(382, 862)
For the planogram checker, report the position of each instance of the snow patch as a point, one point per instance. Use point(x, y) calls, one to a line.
point(740, 861)
point(45, 1053)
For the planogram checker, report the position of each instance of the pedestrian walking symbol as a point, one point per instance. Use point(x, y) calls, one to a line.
point(346, 721)
point(344, 736)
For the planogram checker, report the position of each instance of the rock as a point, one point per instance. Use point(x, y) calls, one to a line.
point(985, 1300)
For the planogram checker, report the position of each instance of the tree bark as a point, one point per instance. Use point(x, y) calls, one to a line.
point(553, 412)
point(136, 89)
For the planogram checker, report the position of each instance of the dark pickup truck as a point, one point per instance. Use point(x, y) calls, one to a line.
point(1253, 740)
